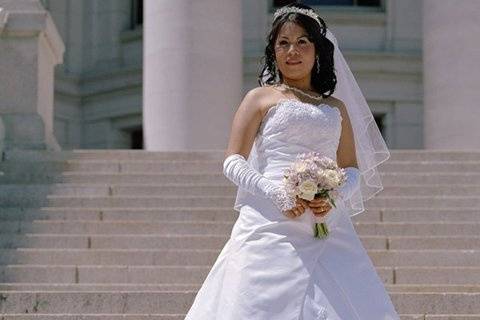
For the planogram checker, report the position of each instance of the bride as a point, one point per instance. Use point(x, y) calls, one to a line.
point(272, 267)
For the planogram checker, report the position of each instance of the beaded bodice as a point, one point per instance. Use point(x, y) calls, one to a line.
point(291, 127)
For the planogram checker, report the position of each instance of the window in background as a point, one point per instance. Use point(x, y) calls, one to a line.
point(136, 136)
point(380, 121)
point(137, 13)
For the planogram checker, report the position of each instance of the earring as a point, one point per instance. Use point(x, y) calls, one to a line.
point(318, 64)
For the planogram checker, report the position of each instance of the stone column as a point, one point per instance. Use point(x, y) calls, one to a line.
point(451, 57)
point(192, 73)
point(30, 47)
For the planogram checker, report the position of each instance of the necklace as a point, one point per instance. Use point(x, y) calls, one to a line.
point(302, 92)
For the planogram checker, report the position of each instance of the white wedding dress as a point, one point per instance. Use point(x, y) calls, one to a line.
point(272, 267)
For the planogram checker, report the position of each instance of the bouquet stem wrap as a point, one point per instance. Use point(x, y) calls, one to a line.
point(320, 227)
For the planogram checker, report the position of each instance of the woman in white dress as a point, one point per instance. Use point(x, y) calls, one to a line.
point(272, 267)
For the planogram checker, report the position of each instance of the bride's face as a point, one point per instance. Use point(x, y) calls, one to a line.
point(294, 52)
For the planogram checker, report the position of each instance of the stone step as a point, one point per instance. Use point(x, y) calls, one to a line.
point(230, 189)
point(425, 258)
point(177, 302)
point(458, 288)
point(139, 166)
point(162, 161)
point(430, 190)
point(96, 303)
point(80, 227)
point(224, 214)
point(436, 303)
point(103, 214)
point(217, 177)
point(125, 155)
point(38, 177)
point(439, 316)
point(226, 201)
point(430, 166)
point(380, 258)
point(140, 214)
point(138, 201)
point(121, 274)
point(215, 154)
point(91, 287)
point(104, 316)
point(182, 317)
point(432, 242)
point(424, 202)
point(39, 191)
point(460, 202)
point(417, 228)
point(23, 195)
point(424, 214)
point(139, 241)
point(85, 190)
point(192, 166)
point(115, 287)
point(429, 178)
point(435, 275)
point(198, 241)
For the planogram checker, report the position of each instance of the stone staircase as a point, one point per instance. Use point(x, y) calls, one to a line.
point(132, 234)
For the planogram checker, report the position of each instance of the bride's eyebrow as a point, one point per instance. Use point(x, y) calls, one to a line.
point(304, 35)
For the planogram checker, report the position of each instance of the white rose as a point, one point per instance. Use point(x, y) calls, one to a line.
point(332, 178)
point(308, 189)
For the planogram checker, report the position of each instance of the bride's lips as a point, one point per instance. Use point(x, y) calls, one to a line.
point(293, 62)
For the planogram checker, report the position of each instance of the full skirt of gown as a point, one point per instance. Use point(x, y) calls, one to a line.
point(278, 270)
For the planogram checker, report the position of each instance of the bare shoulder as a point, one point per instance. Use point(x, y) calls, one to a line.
point(259, 93)
point(247, 120)
point(264, 97)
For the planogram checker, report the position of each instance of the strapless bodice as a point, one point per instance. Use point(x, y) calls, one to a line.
point(291, 127)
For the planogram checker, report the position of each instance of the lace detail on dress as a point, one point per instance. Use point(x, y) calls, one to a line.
point(322, 314)
point(300, 111)
point(281, 199)
point(298, 123)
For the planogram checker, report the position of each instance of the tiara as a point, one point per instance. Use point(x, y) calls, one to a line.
point(285, 10)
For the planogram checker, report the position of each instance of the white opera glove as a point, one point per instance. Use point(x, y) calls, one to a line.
point(239, 171)
point(352, 184)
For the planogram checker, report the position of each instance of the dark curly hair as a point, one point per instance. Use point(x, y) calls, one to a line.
point(324, 81)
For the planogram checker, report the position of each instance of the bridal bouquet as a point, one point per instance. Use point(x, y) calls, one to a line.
point(314, 176)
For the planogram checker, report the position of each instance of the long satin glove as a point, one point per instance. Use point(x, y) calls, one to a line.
point(352, 184)
point(239, 171)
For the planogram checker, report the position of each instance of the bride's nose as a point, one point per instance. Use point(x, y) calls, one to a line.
point(292, 49)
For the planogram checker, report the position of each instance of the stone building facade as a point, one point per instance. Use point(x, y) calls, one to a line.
point(100, 87)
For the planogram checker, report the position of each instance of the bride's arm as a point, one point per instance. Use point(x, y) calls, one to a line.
point(346, 157)
point(245, 124)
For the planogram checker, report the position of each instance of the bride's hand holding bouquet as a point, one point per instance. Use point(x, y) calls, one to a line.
point(319, 206)
point(314, 178)
point(299, 209)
